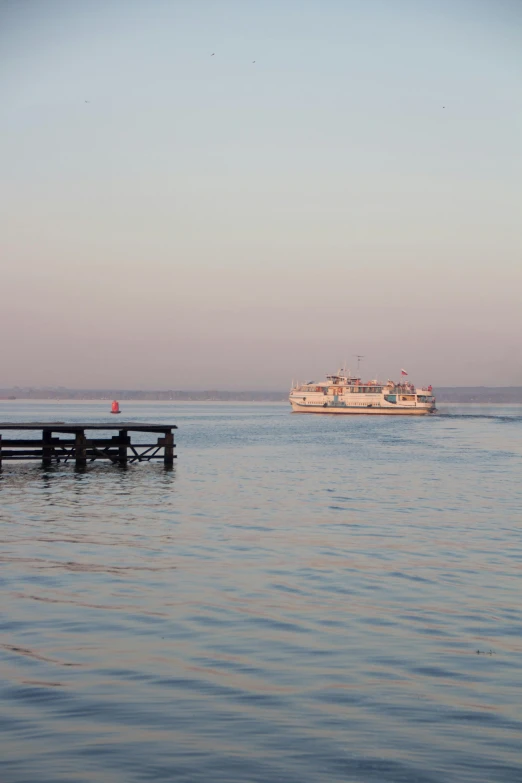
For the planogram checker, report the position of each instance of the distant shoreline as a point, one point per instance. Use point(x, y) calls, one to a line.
point(478, 395)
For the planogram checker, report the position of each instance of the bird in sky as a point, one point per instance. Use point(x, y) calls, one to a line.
point(212, 55)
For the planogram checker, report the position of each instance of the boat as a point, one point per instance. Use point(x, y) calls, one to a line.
point(346, 394)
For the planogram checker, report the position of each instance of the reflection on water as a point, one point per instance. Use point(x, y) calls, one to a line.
point(301, 599)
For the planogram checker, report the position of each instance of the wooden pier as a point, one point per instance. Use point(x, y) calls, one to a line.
point(79, 448)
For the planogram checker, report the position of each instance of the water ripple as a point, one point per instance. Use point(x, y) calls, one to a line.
point(301, 599)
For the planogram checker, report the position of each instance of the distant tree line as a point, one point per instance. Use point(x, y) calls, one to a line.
point(48, 393)
point(479, 394)
point(462, 394)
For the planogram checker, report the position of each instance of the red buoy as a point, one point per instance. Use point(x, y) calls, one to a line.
point(115, 407)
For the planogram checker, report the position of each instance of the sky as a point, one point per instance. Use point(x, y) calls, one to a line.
point(232, 194)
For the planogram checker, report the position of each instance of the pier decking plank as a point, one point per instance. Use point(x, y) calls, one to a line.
point(63, 426)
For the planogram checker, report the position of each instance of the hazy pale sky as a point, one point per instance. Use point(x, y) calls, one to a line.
point(172, 219)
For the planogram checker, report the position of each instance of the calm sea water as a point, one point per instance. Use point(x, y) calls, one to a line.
point(301, 599)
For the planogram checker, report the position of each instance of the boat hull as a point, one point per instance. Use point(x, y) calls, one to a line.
point(361, 411)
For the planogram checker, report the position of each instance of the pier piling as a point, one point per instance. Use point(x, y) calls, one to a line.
point(122, 449)
point(47, 449)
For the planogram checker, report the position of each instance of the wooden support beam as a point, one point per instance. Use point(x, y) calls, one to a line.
point(36, 443)
point(96, 453)
point(47, 448)
point(22, 458)
point(80, 450)
point(124, 440)
point(30, 453)
point(168, 455)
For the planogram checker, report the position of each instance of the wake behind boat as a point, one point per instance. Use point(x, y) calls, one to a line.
point(345, 394)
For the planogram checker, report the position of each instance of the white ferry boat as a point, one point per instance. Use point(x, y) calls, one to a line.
point(345, 394)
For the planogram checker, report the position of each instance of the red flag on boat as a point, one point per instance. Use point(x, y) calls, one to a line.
point(403, 372)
